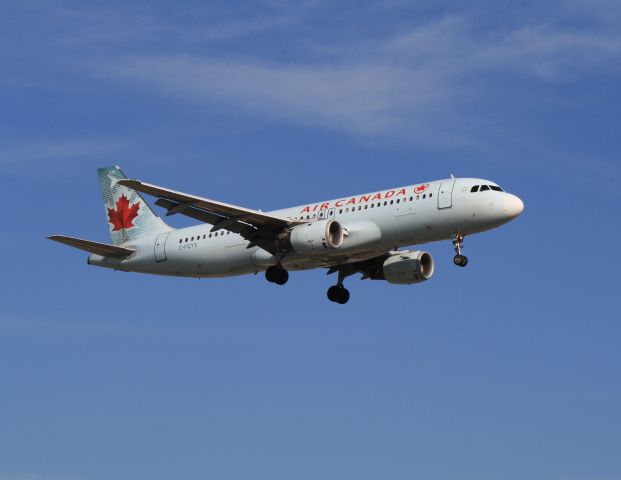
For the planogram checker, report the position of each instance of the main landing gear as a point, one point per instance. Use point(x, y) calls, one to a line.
point(459, 259)
point(338, 293)
point(277, 275)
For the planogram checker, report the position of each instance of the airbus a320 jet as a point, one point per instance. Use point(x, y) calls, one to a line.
point(352, 234)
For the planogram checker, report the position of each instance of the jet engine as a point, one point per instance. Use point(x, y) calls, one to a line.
point(408, 267)
point(316, 237)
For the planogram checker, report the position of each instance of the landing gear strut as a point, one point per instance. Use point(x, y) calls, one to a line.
point(459, 259)
point(338, 293)
point(277, 275)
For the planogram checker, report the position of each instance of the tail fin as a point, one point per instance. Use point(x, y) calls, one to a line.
point(129, 216)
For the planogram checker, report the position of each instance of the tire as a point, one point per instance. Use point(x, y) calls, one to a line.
point(333, 293)
point(460, 260)
point(271, 274)
point(283, 277)
point(343, 296)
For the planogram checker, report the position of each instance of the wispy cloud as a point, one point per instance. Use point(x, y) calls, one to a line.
point(432, 80)
point(54, 150)
point(424, 84)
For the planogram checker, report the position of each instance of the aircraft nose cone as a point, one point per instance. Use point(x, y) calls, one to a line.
point(512, 205)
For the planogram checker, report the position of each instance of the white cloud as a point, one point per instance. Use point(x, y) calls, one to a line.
point(431, 82)
point(417, 85)
point(54, 150)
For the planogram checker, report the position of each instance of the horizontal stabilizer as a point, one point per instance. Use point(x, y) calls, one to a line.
point(97, 248)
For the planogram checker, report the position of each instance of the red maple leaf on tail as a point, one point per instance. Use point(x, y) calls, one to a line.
point(124, 214)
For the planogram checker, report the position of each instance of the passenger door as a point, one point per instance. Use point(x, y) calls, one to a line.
point(445, 194)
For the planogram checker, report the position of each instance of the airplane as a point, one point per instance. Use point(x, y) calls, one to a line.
point(352, 234)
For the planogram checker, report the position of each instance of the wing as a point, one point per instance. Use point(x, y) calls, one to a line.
point(258, 228)
point(371, 268)
point(97, 248)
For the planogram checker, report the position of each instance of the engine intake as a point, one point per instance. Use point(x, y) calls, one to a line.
point(407, 267)
point(316, 237)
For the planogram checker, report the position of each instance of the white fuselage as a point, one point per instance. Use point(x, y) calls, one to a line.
point(376, 223)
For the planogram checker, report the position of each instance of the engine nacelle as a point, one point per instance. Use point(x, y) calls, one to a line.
point(316, 237)
point(408, 267)
point(361, 235)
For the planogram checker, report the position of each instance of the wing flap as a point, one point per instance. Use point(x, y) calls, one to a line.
point(241, 214)
point(257, 227)
point(256, 236)
point(103, 249)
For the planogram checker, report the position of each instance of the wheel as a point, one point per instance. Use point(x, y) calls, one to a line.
point(334, 293)
point(460, 260)
point(283, 277)
point(276, 275)
point(338, 294)
point(272, 274)
point(343, 296)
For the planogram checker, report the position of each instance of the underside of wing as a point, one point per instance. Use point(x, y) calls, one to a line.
point(371, 268)
point(257, 227)
point(103, 249)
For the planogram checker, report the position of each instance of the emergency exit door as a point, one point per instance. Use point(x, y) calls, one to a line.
point(327, 214)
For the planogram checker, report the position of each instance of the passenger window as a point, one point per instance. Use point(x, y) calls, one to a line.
point(186, 239)
point(417, 197)
point(483, 188)
point(359, 208)
point(372, 205)
point(392, 201)
point(385, 203)
point(340, 211)
point(424, 195)
point(411, 198)
point(210, 235)
point(430, 195)
point(204, 236)
point(398, 200)
point(366, 206)
point(474, 189)
point(180, 240)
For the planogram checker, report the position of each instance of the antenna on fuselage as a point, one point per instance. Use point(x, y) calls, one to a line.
point(452, 177)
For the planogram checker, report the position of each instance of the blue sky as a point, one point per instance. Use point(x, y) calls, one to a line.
point(508, 369)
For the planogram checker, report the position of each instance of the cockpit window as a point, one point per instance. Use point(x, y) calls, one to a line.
point(483, 188)
point(474, 189)
point(495, 188)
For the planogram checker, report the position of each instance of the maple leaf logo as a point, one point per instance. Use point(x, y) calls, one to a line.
point(421, 188)
point(124, 214)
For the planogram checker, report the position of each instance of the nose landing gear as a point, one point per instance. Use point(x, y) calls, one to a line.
point(458, 243)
